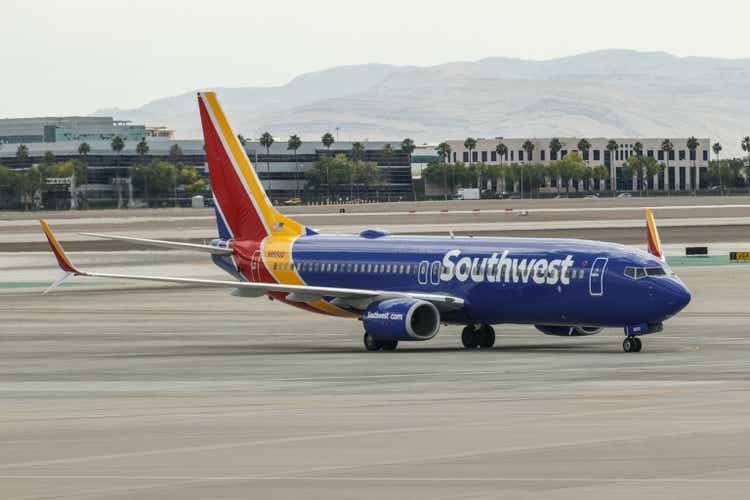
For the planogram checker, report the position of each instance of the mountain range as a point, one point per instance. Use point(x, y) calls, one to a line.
point(616, 93)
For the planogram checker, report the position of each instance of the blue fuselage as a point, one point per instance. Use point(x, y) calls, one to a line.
point(501, 280)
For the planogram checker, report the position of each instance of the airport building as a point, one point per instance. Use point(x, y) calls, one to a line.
point(679, 176)
point(69, 128)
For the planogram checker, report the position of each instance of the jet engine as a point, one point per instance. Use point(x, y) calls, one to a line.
point(568, 331)
point(401, 319)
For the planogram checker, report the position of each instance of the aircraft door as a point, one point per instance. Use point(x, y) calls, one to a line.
point(255, 263)
point(423, 271)
point(596, 277)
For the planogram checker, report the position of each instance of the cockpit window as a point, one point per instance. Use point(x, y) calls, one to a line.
point(637, 273)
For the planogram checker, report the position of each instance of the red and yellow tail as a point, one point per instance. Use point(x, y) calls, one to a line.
point(652, 235)
point(241, 202)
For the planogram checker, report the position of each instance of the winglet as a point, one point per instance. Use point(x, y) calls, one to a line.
point(652, 236)
point(62, 259)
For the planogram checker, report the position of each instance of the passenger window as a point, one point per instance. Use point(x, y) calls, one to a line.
point(274, 266)
point(335, 267)
point(356, 268)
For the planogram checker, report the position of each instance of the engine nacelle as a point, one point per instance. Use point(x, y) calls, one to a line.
point(401, 319)
point(568, 331)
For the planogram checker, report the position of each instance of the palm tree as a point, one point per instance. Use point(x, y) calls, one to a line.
point(584, 146)
point(83, 151)
point(667, 147)
point(358, 152)
point(175, 153)
point(612, 147)
point(528, 146)
point(554, 146)
point(142, 149)
point(502, 153)
point(117, 146)
point(746, 147)
point(293, 144)
point(470, 143)
point(638, 148)
point(717, 150)
point(692, 145)
point(327, 141)
point(444, 150)
point(408, 147)
point(386, 153)
point(242, 140)
point(266, 140)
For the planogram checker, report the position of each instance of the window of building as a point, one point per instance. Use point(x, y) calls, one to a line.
point(671, 155)
point(692, 155)
point(511, 155)
point(705, 155)
point(563, 153)
point(474, 156)
point(484, 155)
point(682, 154)
point(520, 155)
point(493, 155)
point(586, 155)
point(454, 157)
point(597, 155)
point(650, 153)
point(541, 154)
point(661, 155)
point(466, 156)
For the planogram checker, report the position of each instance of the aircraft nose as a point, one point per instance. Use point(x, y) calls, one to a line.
point(678, 295)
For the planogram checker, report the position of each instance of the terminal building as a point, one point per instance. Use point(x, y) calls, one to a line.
point(69, 128)
point(678, 176)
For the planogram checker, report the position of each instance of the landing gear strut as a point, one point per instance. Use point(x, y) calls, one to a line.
point(478, 336)
point(632, 344)
point(371, 344)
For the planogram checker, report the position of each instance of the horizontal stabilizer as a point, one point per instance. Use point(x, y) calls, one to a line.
point(166, 244)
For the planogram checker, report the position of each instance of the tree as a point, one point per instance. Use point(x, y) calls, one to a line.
point(717, 151)
point(612, 148)
point(570, 168)
point(117, 145)
point(667, 147)
point(242, 140)
point(266, 140)
point(554, 146)
point(331, 171)
point(175, 153)
point(84, 149)
point(327, 140)
point(470, 143)
point(746, 148)
point(692, 145)
point(408, 147)
point(584, 146)
point(528, 147)
point(48, 159)
point(638, 148)
point(444, 150)
point(600, 173)
point(22, 153)
point(293, 144)
point(358, 152)
point(142, 148)
point(502, 153)
point(650, 167)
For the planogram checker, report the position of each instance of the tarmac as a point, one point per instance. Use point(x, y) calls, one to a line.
point(148, 391)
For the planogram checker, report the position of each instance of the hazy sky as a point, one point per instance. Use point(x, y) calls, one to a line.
point(76, 56)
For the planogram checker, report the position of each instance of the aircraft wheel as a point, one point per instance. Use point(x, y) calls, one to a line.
point(638, 344)
point(630, 344)
point(486, 336)
point(371, 344)
point(470, 337)
point(389, 345)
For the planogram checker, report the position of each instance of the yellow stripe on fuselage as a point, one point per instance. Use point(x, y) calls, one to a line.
point(277, 254)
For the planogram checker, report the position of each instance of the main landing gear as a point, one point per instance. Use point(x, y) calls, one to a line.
point(474, 336)
point(632, 344)
point(372, 344)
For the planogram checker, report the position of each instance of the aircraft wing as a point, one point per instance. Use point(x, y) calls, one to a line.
point(161, 243)
point(354, 297)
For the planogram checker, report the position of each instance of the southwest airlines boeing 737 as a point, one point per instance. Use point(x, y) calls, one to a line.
point(403, 288)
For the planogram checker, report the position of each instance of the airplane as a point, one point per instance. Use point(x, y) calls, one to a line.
point(403, 288)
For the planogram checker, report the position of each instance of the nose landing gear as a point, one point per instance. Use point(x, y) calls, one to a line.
point(632, 344)
point(474, 336)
